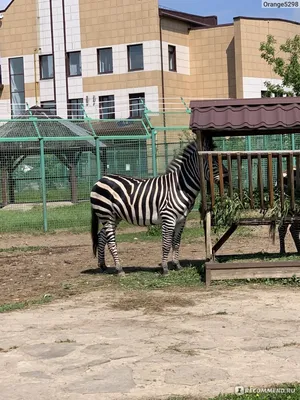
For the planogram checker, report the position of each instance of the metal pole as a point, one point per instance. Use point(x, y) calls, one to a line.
point(43, 179)
point(153, 148)
point(98, 161)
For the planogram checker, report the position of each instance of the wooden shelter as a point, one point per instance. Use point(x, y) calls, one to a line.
point(247, 117)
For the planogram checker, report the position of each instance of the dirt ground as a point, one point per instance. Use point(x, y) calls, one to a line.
point(57, 267)
point(199, 342)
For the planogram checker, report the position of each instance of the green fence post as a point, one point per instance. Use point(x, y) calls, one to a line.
point(153, 149)
point(98, 161)
point(43, 169)
point(44, 190)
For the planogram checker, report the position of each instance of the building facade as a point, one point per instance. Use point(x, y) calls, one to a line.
point(110, 56)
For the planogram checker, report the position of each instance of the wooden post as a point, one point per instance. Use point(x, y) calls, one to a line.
point(73, 182)
point(11, 187)
point(4, 186)
point(208, 242)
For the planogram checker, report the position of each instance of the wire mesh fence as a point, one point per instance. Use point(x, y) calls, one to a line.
point(48, 164)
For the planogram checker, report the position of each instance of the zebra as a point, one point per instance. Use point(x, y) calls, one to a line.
point(165, 200)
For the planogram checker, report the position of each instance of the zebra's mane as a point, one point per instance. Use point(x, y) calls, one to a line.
point(182, 156)
point(187, 152)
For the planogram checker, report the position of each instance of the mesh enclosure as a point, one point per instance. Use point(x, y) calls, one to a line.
point(48, 165)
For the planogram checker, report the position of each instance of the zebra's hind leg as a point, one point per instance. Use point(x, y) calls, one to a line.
point(176, 240)
point(110, 230)
point(101, 250)
point(282, 229)
point(167, 236)
point(295, 231)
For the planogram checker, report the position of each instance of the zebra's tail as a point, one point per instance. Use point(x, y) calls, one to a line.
point(272, 231)
point(94, 231)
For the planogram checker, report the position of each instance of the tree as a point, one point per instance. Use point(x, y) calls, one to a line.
point(288, 67)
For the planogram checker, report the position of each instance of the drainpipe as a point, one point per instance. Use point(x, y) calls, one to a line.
point(163, 89)
point(36, 52)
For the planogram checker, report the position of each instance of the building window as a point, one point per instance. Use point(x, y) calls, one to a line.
point(107, 107)
point(136, 105)
point(172, 58)
point(265, 93)
point(46, 67)
point(105, 61)
point(135, 57)
point(75, 109)
point(74, 63)
point(49, 107)
point(17, 86)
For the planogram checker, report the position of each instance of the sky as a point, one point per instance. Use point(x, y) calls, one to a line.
point(224, 9)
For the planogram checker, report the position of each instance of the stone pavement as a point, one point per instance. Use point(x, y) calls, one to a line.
point(81, 349)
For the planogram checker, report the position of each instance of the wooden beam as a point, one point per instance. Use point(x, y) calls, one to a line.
point(229, 167)
point(270, 179)
point(248, 270)
point(250, 181)
point(208, 242)
point(211, 179)
point(224, 238)
point(240, 178)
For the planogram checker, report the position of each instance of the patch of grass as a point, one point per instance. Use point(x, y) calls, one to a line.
point(293, 282)
point(65, 217)
point(187, 277)
point(150, 302)
point(154, 234)
point(22, 248)
point(25, 304)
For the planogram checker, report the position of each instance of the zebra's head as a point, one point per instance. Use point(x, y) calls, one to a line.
point(209, 145)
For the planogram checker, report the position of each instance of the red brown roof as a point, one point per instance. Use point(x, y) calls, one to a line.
point(246, 115)
point(194, 20)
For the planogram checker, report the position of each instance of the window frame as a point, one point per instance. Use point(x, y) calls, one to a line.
point(42, 103)
point(99, 60)
point(172, 47)
point(112, 114)
point(79, 113)
point(129, 46)
point(10, 85)
point(68, 64)
point(40, 63)
point(136, 96)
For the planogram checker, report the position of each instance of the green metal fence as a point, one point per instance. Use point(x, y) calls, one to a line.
point(48, 165)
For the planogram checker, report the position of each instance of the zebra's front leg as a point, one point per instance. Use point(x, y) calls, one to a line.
point(101, 250)
point(167, 236)
point(282, 229)
point(110, 230)
point(176, 240)
point(295, 231)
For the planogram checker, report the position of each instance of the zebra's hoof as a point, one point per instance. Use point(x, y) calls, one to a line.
point(165, 272)
point(177, 267)
point(102, 269)
point(121, 274)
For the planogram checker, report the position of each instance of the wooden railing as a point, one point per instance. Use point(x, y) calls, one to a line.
point(260, 175)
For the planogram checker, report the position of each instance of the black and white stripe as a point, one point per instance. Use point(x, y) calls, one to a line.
point(164, 200)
